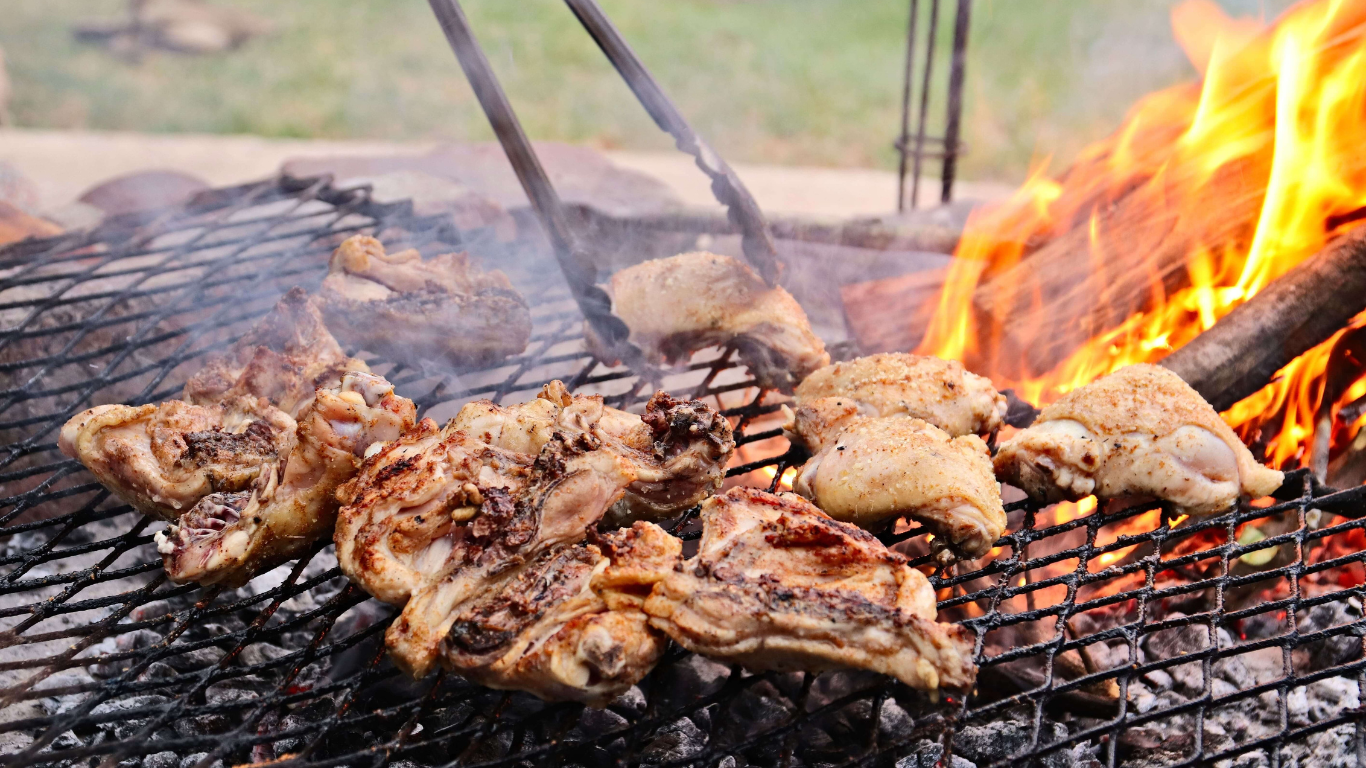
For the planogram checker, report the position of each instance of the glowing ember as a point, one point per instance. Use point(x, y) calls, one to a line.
point(1275, 120)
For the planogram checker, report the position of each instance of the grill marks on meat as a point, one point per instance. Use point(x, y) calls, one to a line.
point(162, 459)
point(230, 537)
point(778, 585)
point(1139, 432)
point(684, 303)
point(444, 308)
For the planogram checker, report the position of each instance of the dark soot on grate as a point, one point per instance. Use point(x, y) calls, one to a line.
point(1111, 639)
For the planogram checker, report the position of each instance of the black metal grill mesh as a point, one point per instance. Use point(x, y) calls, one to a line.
point(1108, 637)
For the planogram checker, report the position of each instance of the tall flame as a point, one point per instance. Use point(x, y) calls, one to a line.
point(1280, 118)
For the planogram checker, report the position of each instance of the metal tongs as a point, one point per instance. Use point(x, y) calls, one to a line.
point(577, 265)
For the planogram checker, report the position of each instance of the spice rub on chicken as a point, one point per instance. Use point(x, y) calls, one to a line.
point(678, 305)
point(283, 359)
point(778, 585)
point(230, 537)
point(1139, 432)
point(444, 308)
point(162, 459)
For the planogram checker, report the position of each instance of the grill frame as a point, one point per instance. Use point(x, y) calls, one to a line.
point(173, 260)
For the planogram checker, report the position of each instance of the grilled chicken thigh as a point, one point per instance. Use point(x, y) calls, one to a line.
point(230, 537)
point(444, 308)
point(879, 469)
point(164, 458)
point(284, 358)
point(1139, 432)
point(684, 303)
point(569, 624)
point(778, 585)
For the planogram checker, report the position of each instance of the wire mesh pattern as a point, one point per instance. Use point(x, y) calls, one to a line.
point(1105, 637)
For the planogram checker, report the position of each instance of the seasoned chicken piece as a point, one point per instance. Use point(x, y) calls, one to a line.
point(684, 303)
point(284, 358)
point(444, 308)
point(878, 470)
point(938, 391)
point(679, 448)
point(778, 585)
point(164, 458)
point(230, 537)
point(569, 624)
point(1139, 432)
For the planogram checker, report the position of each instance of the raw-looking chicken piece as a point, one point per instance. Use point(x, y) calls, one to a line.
point(164, 458)
point(1139, 432)
point(230, 537)
point(679, 448)
point(779, 585)
point(938, 391)
point(569, 624)
point(877, 470)
point(284, 358)
point(684, 303)
point(444, 308)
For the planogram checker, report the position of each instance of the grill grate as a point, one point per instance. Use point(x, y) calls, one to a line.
point(1108, 637)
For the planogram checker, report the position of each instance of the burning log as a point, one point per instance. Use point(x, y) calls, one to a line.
point(1315, 299)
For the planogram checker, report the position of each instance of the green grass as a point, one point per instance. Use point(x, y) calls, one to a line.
point(781, 81)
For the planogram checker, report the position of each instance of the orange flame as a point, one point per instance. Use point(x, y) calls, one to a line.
point(1277, 116)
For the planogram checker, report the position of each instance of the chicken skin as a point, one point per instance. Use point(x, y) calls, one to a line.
point(569, 624)
point(283, 359)
point(778, 585)
point(679, 448)
point(938, 391)
point(1139, 432)
point(880, 469)
point(444, 308)
point(162, 459)
point(684, 303)
point(230, 537)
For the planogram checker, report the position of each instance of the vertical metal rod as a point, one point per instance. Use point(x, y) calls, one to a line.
point(954, 125)
point(924, 103)
point(903, 143)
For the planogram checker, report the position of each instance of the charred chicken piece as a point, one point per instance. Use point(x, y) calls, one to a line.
point(1140, 432)
point(230, 537)
point(877, 470)
point(569, 624)
point(678, 449)
point(938, 391)
point(284, 358)
point(164, 458)
point(778, 585)
point(444, 308)
point(684, 303)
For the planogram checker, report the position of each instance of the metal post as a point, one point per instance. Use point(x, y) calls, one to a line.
point(954, 126)
point(903, 143)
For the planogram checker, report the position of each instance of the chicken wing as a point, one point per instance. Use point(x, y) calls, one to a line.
point(230, 537)
point(778, 585)
point(879, 469)
point(284, 359)
point(569, 624)
point(164, 458)
point(684, 303)
point(1139, 432)
point(444, 308)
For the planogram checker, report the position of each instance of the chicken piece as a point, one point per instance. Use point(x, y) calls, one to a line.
point(284, 358)
point(938, 391)
point(1139, 432)
point(569, 624)
point(880, 469)
point(779, 585)
point(684, 303)
point(164, 458)
point(414, 311)
point(679, 448)
point(230, 537)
